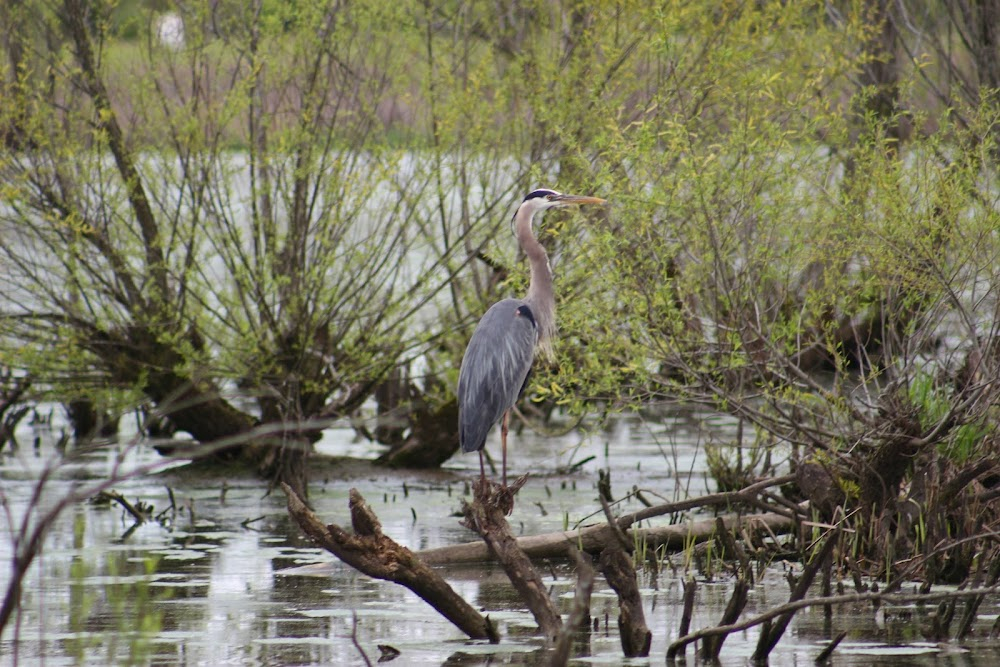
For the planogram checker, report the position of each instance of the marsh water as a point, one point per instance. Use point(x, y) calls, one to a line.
point(223, 577)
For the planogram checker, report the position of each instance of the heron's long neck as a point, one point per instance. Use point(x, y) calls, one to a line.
point(541, 297)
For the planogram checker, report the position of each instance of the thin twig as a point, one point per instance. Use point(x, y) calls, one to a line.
point(747, 495)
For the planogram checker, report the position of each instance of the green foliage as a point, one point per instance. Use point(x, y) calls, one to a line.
point(331, 187)
point(933, 405)
point(734, 467)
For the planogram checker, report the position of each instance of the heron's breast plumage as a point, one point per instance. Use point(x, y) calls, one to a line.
point(494, 369)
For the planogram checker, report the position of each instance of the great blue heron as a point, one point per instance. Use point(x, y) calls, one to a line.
point(498, 359)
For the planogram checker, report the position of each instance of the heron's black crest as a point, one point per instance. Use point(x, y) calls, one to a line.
point(524, 311)
point(540, 193)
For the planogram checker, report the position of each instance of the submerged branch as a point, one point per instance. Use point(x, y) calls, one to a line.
point(895, 599)
point(135, 512)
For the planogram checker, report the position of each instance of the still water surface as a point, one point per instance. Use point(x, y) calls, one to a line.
point(225, 578)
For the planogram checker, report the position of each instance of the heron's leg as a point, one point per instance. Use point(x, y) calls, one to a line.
point(482, 469)
point(503, 445)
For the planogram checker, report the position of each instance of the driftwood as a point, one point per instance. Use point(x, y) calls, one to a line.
point(137, 513)
point(825, 654)
point(592, 539)
point(972, 606)
point(732, 549)
point(486, 515)
point(371, 552)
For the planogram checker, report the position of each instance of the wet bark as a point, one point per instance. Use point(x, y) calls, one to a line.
point(690, 588)
point(594, 538)
point(375, 554)
point(676, 648)
point(616, 565)
point(421, 432)
point(818, 482)
point(287, 462)
point(486, 515)
point(198, 408)
point(392, 399)
point(619, 571)
point(135, 354)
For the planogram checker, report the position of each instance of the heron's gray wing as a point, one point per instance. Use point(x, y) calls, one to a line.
point(494, 369)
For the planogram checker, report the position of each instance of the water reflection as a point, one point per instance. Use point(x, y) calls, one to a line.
point(223, 581)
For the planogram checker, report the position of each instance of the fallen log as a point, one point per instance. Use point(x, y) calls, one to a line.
point(373, 553)
point(594, 538)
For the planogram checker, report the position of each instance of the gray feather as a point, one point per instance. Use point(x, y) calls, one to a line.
point(494, 369)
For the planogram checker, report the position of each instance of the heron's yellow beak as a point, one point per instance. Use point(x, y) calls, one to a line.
point(577, 200)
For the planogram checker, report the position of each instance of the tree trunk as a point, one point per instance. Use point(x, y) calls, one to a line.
point(89, 422)
point(286, 461)
point(433, 439)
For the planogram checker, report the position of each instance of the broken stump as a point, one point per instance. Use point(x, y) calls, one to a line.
point(486, 515)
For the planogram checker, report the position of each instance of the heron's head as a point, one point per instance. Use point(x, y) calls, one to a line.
point(544, 199)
